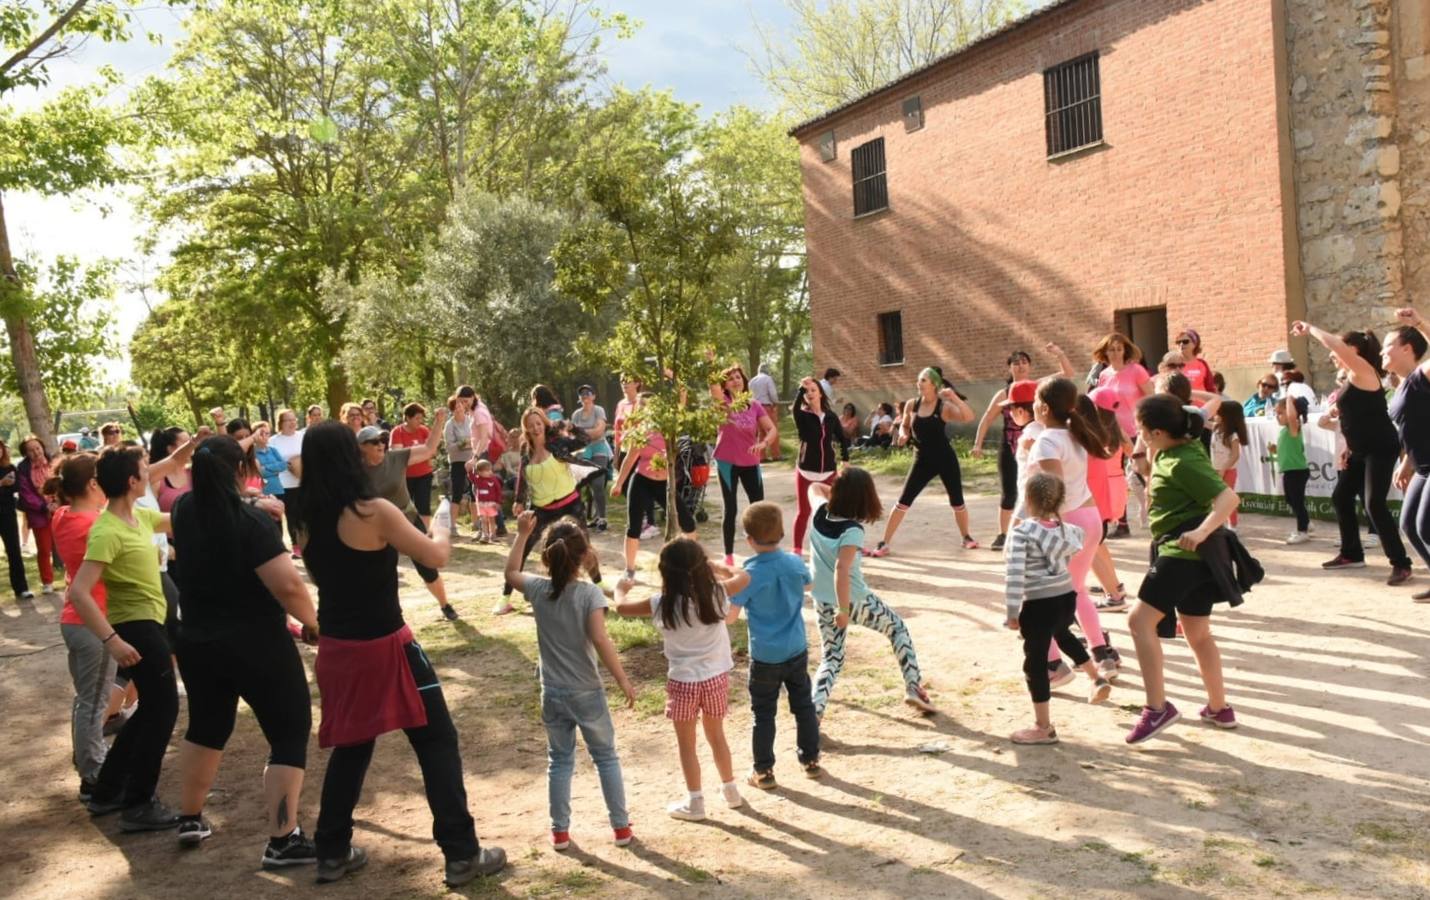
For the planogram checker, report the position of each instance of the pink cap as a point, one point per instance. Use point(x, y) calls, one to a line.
point(1105, 397)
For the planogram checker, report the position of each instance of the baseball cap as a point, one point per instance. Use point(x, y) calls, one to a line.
point(585, 389)
point(371, 433)
point(1021, 392)
point(69, 444)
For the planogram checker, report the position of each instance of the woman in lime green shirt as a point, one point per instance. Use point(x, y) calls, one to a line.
point(121, 552)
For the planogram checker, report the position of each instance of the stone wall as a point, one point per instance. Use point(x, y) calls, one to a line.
point(1347, 131)
point(1411, 45)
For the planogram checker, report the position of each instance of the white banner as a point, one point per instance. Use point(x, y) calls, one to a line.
point(1258, 481)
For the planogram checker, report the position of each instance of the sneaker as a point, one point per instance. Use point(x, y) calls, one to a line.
point(1097, 590)
point(1152, 723)
point(601, 525)
point(732, 795)
point(1399, 575)
point(99, 807)
point(624, 836)
point(691, 809)
point(812, 769)
point(488, 861)
point(998, 542)
point(1107, 668)
point(330, 870)
point(560, 840)
point(1112, 604)
point(297, 849)
point(1223, 718)
point(449, 612)
point(765, 781)
point(918, 698)
point(969, 543)
point(648, 532)
point(1101, 690)
point(1341, 562)
point(150, 816)
point(47, 589)
point(27, 595)
point(1121, 531)
point(881, 550)
point(1036, 735)
point(1061, 676)
point(1371, 540)
point(193, 831)
point(502, 608)
point(1298, 537)
point(86, 791)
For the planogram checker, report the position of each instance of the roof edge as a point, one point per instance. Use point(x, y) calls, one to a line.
point(985, 38)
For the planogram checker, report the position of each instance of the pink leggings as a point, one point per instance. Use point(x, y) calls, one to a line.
point(801, 519)
point(1090, 521)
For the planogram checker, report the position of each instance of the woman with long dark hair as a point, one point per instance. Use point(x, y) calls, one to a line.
point(1020, 366)
point(744, 436)
point(237, 587)
point(373, 676)
point(30, 476)
point(1372, 450)
point(1410, 410)
point(820, 433)
point(9, 525)
point(169, 484)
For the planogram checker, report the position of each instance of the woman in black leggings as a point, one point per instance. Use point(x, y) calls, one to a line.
point(745, 435)
point(1020, 367)
point(924, 420)
point(644, 482)
point(237, 587)
point(1372, 450)
point(373, 676)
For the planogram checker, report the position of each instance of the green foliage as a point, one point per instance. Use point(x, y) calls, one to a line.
point(67, 307)
point(65, 146)
point(25, 49)
point(841, 49)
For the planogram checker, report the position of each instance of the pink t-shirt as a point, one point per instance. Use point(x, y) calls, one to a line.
point(1127, 381)
point(71, 538)
point(1108, 485)
point(1200, 375)
point(739, 436)
point(655, 446)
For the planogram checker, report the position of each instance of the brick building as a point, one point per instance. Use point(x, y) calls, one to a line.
point(1124, 164)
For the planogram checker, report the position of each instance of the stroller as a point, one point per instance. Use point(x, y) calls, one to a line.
point(692, 476)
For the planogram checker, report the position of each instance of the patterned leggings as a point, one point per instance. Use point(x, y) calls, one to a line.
point(873, 614)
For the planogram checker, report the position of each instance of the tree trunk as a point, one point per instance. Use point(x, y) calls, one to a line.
point(672, 492)
point(22, 345)
point(786, 360)
point(338, 390)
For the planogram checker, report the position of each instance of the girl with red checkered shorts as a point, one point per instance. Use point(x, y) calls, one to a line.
point(690, 613)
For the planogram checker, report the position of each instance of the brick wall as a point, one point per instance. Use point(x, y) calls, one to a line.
point(988, 246)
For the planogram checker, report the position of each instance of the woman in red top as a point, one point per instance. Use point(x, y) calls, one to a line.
point(413, 432)
point(92, 669)
point(1198, 372)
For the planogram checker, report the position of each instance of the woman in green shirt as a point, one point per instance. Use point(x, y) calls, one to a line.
point(121, 552)
point(1187, 501)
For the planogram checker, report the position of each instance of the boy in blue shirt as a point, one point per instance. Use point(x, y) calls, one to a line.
point(771, 592)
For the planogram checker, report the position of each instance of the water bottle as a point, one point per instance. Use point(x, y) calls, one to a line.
point(442, 520)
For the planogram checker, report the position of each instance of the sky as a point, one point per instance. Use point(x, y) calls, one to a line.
point(697, 48)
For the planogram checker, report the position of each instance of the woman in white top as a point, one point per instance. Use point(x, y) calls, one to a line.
point(1061, 449)
point(289, 444)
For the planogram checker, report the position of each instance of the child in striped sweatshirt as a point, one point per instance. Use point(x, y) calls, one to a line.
point(1041, 601)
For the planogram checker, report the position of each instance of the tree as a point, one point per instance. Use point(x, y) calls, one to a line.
point(842, 49)
point(69, 324)
point(64, 147)
point(654, 245)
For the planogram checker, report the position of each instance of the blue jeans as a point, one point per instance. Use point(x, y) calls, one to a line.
point(766, 679)
point(562, 712)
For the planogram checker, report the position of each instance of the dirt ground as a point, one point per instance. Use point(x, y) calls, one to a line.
point(1325, 787)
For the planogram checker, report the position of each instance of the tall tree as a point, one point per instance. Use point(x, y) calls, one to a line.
point(63, 147)
point(837, 50)
point(66, 309)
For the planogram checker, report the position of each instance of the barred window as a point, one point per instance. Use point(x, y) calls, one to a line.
point(871, 190)
point(891, 338)
point(1072, 95)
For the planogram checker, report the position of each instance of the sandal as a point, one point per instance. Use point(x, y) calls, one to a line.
point(1036, 735)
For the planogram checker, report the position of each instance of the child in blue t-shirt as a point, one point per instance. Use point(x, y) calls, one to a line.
point(841, 510)
point(771, 592)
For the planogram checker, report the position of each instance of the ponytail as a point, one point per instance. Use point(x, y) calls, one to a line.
point(565, 550)
point(214, 475)
point(1062, 399)
point(71, 478)
point(1164, 412)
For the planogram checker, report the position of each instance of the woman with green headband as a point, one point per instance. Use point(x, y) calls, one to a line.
point(924, 421)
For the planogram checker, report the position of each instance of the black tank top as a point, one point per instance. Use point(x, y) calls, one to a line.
point(929, 435)
point(357, 589)
point(1365, 421)
point(1011, 430)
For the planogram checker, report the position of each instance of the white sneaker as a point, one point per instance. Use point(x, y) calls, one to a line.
point(649, 532)
point(1371, 540)
point(502, 608)
point(732, 795)
point(1061, 676)
point(1107, 668)
point(1298, 537)
point(687, 810)
point(49, 589)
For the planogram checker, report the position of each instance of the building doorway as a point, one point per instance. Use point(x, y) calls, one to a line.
point(1148, 330)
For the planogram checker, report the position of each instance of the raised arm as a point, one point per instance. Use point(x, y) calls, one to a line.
point(1293, 418)
point(525, 525)
point(994, 408)
point(423, 452)
point(1064, 363)
point(1411, 316)
point(173, 462)
point(1363, 374)
point(408, 539)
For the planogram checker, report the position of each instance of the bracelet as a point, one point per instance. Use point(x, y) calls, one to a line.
point(112, 636)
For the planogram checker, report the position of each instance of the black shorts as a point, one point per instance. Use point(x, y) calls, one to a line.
point(1185, 586)
point(420, 490)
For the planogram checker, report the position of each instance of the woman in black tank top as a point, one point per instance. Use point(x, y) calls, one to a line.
point(1020, 367)
point(1373, 450)
point(924, 420)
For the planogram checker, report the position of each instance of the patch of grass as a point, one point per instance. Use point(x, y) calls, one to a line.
point(573, 883)
point(1385, 834)
point(1193, 803)
point(650, 700)
point(1201, 873)
point(1218, 843)
point(693, 874)
point(1265, 862)
point(629, 634)
point(1096, 846)
point(1139, 859)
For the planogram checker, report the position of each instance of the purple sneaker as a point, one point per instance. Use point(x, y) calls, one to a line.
point(1152, 723)
point(1226, 718)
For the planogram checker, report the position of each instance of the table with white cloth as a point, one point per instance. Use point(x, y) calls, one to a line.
point(1258, 481)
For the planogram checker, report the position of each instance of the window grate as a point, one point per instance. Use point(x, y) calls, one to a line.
point(1072, 99)
point(871, 188)
point(891, 338)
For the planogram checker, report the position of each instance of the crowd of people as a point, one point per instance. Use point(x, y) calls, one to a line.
point(177, 566)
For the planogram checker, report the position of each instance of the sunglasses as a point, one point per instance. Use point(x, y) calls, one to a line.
point(1270, 385)
point(1182, 341)
point(1175, 365)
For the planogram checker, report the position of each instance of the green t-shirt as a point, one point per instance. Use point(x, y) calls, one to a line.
point(1183, 486)
point(1290, 451)
point(131, 565)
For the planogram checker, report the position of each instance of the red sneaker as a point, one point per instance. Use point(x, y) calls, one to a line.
point(560, 840)
point(624, 836)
